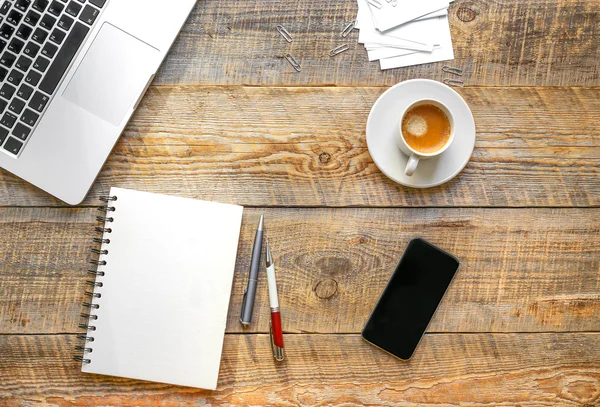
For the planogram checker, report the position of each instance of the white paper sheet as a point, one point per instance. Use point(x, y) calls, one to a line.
point(389, 16)
point(388, 52)
point(369, 46)
point(439, 13)
point(443, 53)
point(429, 31)
point(165, 294)
point(410, 36)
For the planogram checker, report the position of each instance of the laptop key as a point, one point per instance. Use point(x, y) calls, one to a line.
point(30, 117)
point(32, 18)
point(49, 50)
point(22, 5)
point(89, 14)
point(47, 22)
point(98, 3)
point(13, 145)
point(57, 36)
point(73, 8)
point(14, 17)
point(24, 92)
point(8, 120)
point(16, 106)
point(23, 63)
point(3, 73)
point(3, 104)
point(65, 22)
point(39, 35)
point(2, 45)
point(56, 8)
point(7, 59)
point(31, 49)
point(41, 64)
point(15, 77)
point(63, 58)
point(21, 131)
point(16, 45)
point(6, 31)
point(5, 7)
point(24, 31)
point(40, 5)
point(39, 101)
point(7, 91)
point(3, 135)
point(33, 78)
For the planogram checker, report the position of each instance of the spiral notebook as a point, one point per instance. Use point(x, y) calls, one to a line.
point(161, 290)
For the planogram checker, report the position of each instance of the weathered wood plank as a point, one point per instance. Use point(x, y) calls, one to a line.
point(337, 370)
point(525, 42)
point(523, 270)
point(306, 147)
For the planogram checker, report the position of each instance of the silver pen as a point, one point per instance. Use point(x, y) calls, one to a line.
point(250, 293)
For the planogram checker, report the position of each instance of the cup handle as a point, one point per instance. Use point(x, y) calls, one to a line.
point(411, 165)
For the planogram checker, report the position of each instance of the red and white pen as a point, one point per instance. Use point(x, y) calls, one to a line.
point(275, 328)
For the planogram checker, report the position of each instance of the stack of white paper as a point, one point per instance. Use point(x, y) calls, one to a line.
point(407, 33)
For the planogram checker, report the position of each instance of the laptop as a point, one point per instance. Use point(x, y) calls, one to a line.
point(72, 73)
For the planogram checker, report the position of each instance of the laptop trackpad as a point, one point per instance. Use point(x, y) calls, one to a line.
point(113, 73)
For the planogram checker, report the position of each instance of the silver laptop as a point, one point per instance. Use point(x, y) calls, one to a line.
point(72, 73)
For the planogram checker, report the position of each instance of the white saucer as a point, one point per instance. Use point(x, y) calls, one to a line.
point(383, 125)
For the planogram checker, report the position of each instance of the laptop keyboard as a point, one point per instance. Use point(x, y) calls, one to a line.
point(38, 41)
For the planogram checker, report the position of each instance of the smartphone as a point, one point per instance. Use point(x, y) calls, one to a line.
point(410, 299)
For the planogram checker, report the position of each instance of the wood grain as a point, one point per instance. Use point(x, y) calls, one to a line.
point(523, 270)
point(520, 325)
point(306, 147)
point(337, 370)
point(524, 42)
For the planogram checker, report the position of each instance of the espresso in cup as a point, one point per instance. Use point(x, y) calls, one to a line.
point(426, 131)
point(426, 128)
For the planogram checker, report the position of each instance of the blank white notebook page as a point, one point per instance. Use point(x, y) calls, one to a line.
point(166, 288)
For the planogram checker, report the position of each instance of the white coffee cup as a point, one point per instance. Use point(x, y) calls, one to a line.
point(414, 155)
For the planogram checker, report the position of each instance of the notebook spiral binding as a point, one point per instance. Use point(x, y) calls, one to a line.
point(94, 284)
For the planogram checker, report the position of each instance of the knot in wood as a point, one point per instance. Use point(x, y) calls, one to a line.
point(466, 14)
point(307, 398)
point(326, 289)
point(324, 158)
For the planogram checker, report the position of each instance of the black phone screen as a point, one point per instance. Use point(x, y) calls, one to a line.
point(410, 299)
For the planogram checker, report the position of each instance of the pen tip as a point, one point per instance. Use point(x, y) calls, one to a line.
point(261, 222)
point(268, 258)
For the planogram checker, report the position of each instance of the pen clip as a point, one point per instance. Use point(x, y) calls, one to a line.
point(277, 351)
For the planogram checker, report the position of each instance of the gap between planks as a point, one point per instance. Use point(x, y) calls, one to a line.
point(330, 207)
point(325, 85)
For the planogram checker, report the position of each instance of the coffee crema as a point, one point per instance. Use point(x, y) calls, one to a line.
point(426, 128)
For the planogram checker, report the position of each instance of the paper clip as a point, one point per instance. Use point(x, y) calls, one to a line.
point(454, 82)
point(339, 50)
point(452, 70)
point(348, 29)
point(375, 3)
point(293, 62)
point(284, 33)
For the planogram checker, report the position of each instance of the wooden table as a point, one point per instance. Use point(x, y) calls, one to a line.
point(228, 119)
